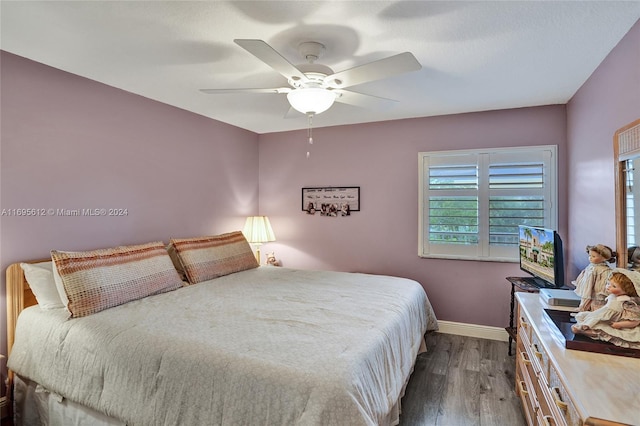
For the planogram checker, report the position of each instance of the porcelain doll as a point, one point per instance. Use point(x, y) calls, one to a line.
point(618, 320)
point(591, 282)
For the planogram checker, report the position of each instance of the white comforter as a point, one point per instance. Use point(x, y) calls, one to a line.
point(268, 346)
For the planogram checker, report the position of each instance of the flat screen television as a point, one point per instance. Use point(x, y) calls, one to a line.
point(541, 256)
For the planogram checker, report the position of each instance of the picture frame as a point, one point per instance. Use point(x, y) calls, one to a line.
point(331, 200)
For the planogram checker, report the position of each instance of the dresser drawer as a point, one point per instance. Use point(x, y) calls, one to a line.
point(546, 420)
point(540, 355)
point(530, 366)
point(524, 391)
point(560, 399)
point(523, 325)
point(552, 412)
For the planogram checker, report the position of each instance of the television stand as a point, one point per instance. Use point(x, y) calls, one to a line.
point(526, 284)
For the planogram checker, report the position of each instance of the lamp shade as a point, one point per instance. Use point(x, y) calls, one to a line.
point(257, 229)
point(311, 100)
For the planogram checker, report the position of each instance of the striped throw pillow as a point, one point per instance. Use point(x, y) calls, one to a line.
point(92, 281)
point(206, 258)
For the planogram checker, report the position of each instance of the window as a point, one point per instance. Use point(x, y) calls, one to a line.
point(630, 197)
point(472, 201)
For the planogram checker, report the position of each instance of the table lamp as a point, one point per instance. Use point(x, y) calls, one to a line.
point(257, 230)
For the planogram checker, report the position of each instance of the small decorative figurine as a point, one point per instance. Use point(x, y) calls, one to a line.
point(619, 319)
point(591, 283)
point(634, 257)
point(271, 260)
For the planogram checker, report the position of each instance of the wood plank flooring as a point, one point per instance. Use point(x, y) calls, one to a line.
point(462, 381)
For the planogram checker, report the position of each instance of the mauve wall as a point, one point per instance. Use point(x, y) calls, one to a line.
point(608, 100)
point(382, 158)
point(72, 143)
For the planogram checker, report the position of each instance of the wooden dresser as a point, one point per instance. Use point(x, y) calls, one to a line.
point(560, 386)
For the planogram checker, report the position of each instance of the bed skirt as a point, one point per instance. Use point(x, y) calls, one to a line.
point(34, 405)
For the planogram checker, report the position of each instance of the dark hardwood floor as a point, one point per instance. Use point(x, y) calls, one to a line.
point(462, 381)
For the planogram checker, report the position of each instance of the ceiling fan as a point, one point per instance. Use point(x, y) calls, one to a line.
point(315, 87)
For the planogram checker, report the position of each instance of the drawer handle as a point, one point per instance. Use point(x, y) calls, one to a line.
point(523, 390)
point(536, 351)
point(523, 322)
point(558, 399)
point(523, 357)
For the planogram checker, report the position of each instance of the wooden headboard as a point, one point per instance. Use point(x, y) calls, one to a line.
point(19, 296)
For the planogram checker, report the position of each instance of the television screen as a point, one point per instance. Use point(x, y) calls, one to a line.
point(541, 255)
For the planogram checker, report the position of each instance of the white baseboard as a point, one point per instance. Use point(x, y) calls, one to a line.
point(473, 330)
point(4, 407)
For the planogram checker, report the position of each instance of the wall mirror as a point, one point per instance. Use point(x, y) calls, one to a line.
point(626, 147)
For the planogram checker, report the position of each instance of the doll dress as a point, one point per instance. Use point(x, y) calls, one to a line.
point(616, 309)
point(591, 284)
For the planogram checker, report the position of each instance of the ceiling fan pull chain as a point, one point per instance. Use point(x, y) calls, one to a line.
point(310, 133)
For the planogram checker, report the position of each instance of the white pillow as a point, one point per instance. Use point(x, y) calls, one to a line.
point(62, 294)
point(42, 284)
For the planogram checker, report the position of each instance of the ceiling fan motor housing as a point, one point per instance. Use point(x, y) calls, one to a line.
point(311, 50)
point(316, 74)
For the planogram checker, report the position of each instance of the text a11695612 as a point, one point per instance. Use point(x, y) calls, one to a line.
point(64, 212)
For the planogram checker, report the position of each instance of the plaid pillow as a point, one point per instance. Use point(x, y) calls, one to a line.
point(92, 281)
point(206, 258)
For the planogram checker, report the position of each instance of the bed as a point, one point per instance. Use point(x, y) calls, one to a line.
point(259, 345)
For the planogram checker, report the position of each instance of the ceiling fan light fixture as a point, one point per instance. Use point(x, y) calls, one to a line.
point(311, 100)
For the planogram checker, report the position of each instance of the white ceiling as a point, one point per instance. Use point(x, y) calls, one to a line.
point(475, 55)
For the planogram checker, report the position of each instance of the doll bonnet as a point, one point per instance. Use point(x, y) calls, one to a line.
point(606, 252)
point(634, 276)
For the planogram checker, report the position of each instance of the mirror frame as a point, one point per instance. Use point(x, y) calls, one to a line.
point(626, 145)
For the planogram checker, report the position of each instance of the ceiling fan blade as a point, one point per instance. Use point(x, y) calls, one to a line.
point(376, 70)
point(219, 91)
point(362, 100)
point(271, 57)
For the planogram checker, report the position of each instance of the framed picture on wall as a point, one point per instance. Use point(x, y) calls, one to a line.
point(331, 200)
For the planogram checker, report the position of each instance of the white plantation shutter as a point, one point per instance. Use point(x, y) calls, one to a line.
point(472, 201)
point(630, 196)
